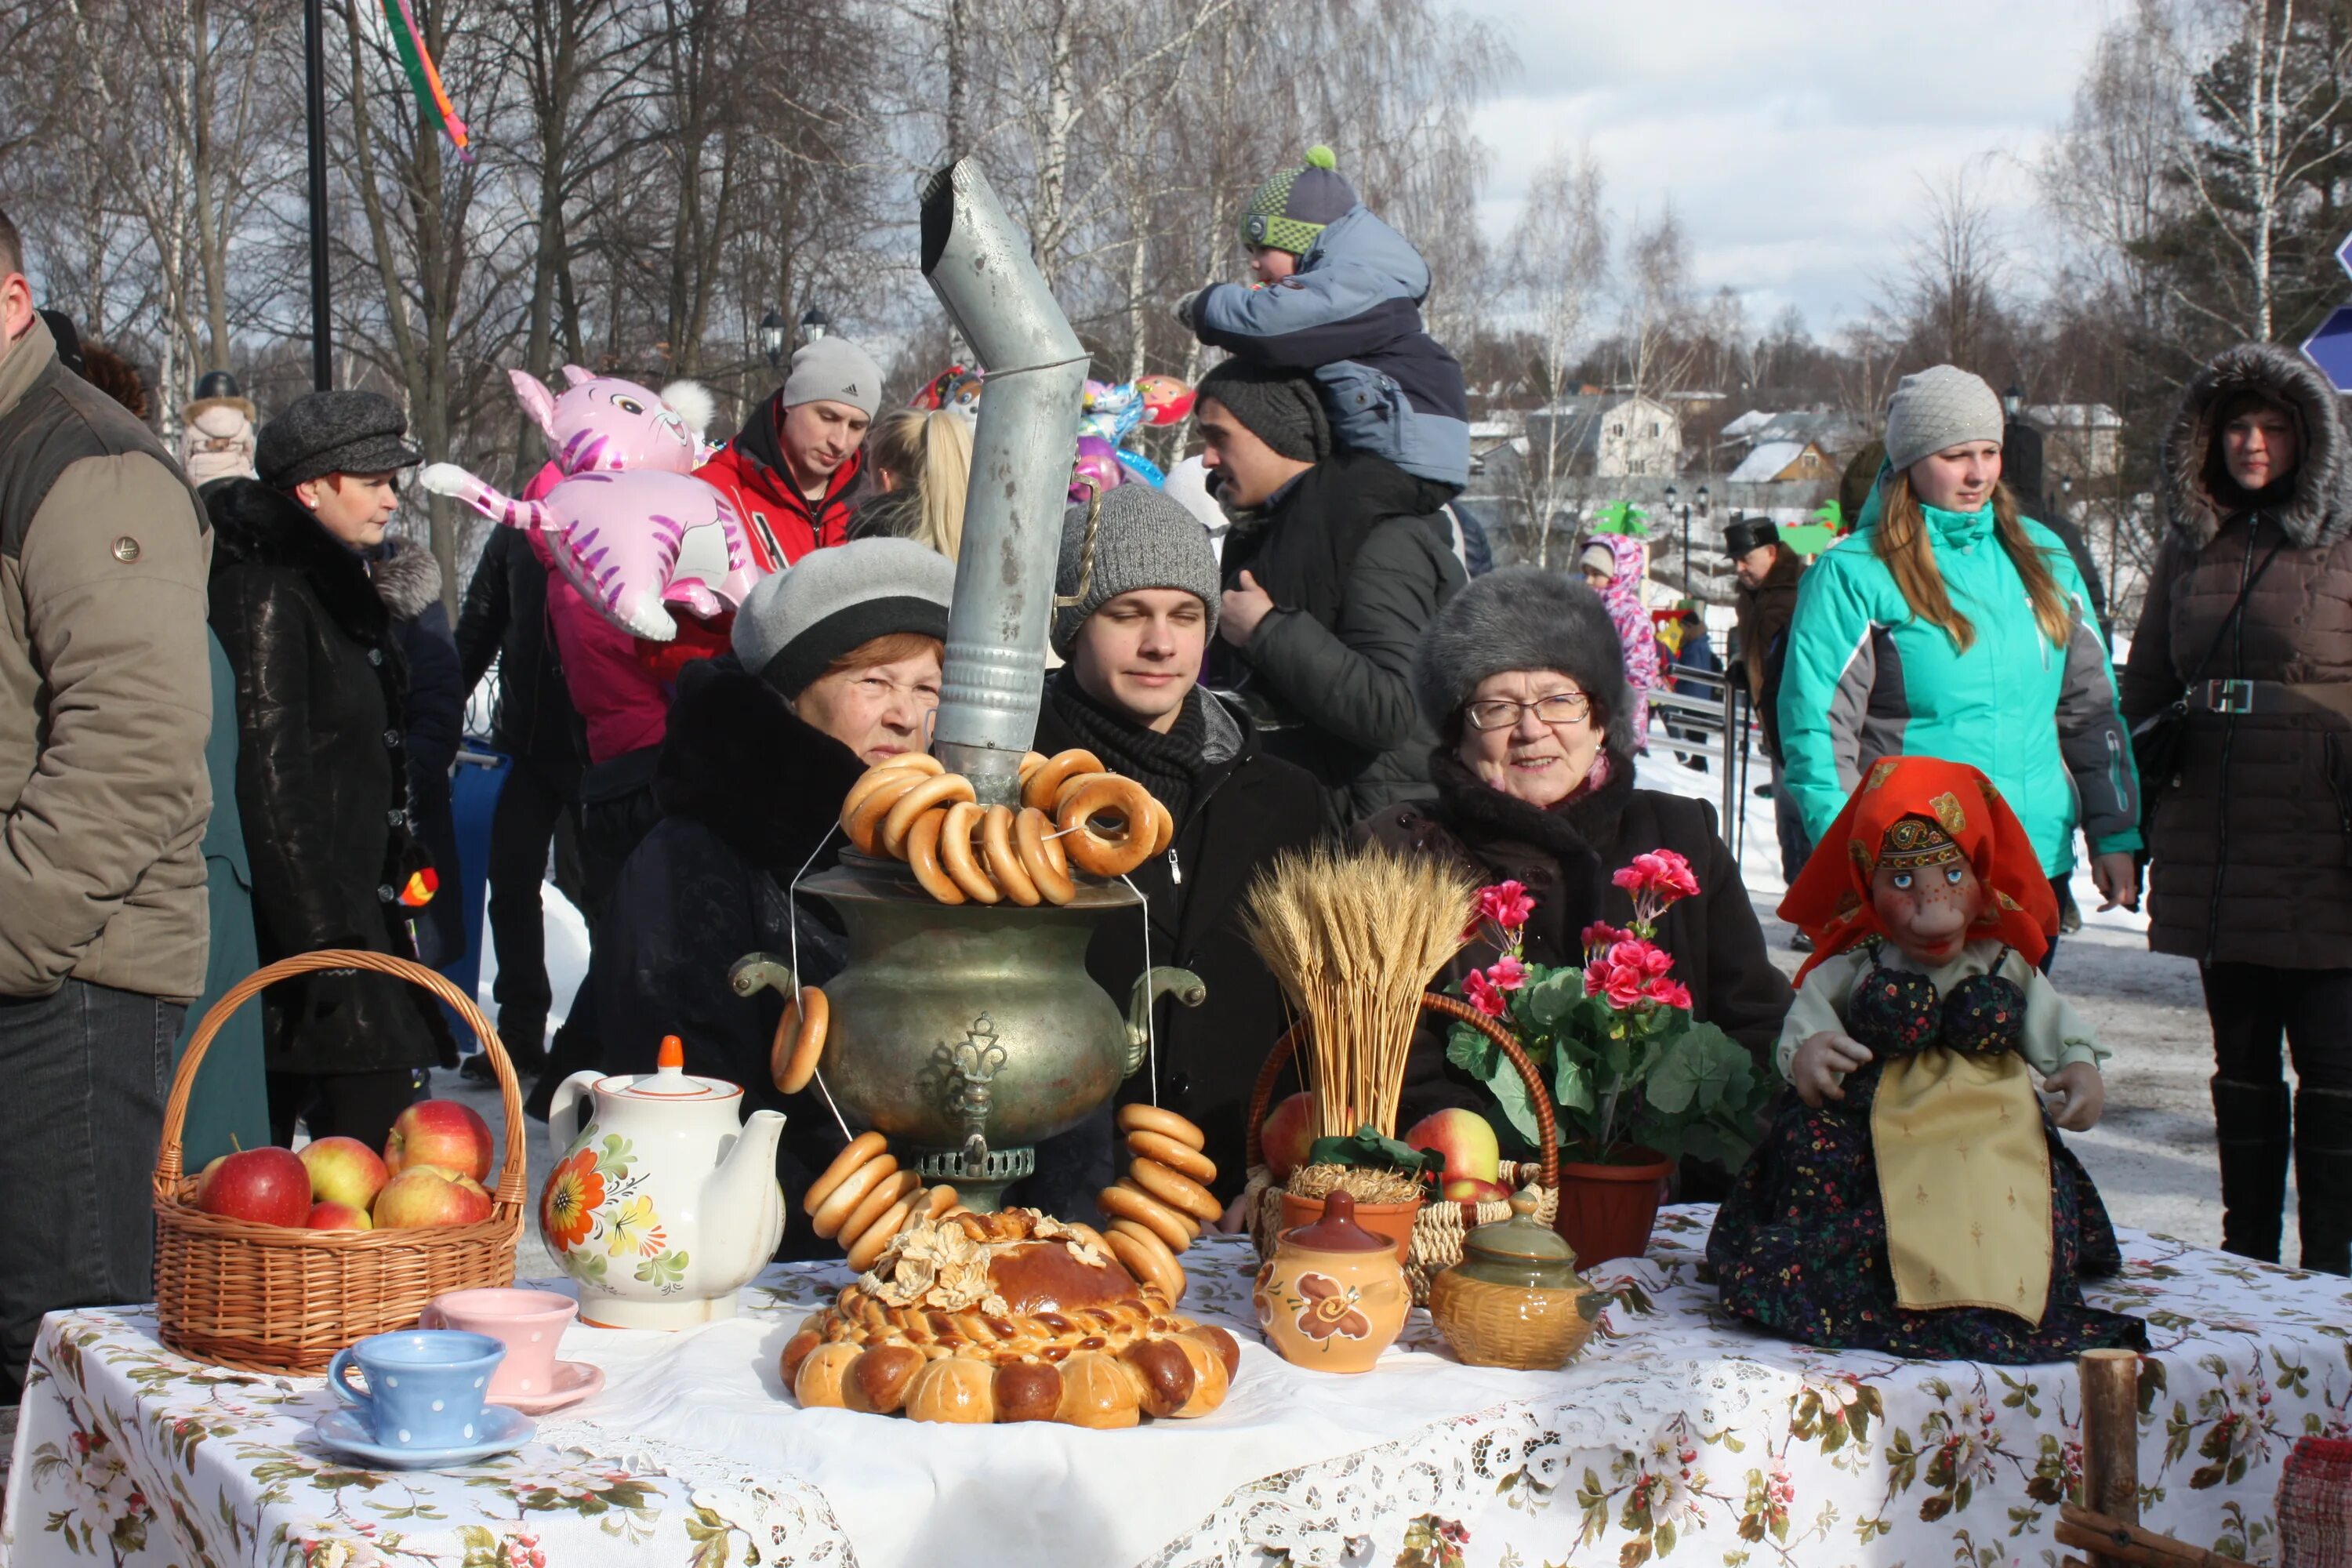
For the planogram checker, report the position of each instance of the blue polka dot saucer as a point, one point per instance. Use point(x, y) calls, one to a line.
point(499, 1430)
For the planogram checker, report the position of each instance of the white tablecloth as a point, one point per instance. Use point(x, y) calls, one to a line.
point(1678, 1432)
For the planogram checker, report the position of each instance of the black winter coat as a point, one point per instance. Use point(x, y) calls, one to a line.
point(504, 616)
point(409, 580)
point(1566, 857)
point(1246, 808)
point(1357, 557)
point(320, 781)
point(746, 790)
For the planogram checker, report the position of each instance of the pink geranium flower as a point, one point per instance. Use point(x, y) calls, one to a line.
point(1660, 871)
point(1622, 987)
point(1673, 993)
point(1507, 974)
point(1601, 936)
point(1480, 993)
point(1507, 904)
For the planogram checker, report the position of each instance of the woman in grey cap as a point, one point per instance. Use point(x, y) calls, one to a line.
point(322, 698)
point(1949, 625)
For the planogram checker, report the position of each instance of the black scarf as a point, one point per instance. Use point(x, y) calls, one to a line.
point(1166, 765)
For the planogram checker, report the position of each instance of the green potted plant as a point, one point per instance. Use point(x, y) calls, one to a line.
point(1636, 1082)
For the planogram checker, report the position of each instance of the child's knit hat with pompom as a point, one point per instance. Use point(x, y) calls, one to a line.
point(1290, 210)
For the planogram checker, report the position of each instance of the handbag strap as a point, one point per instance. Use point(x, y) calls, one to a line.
point(2237, 610)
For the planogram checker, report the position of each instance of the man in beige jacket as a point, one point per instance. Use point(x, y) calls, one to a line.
point(105, 702)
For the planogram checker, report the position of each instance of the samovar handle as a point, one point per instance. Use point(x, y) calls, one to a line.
point(1161, 980)
point(755, 971)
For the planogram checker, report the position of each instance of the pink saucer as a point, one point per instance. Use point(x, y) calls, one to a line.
point(574, 1381)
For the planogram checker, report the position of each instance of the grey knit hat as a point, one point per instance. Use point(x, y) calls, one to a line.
point(796, 622)
point(833, 370)
point(1144, 538)
point(1941, 406)
point(333, 432)
point(1520, 617)
point(1282, 408)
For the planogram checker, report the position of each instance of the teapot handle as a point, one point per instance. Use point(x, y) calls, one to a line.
point(561, 1128)
point(1159, 980)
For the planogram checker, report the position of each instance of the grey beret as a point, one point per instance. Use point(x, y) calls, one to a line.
point(1941, 406)
point(333, 432)
point(1523, 618)
point(1145, 539)
point(834, 370)
point(796, 622)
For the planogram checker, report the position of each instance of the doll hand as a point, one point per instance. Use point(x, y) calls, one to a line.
point(2083, 1094)
point(1822, 1062)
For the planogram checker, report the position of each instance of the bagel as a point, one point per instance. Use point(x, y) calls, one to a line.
point(869, 1245)
point(1089, 850)
point(828, 1216)
point(1135, 1203)
point(1138, 1117)
point(1182, 1158)
point(875, 1205)
point(922, 762)
point(1177, 1190)
point(807, 1019)
point(1165, 828)
point(1148, 1258)
point(1045, 781)
point(922, 852)
point(862, 1147)
point(1030, 763)
point(943, 789)
point(1041, 856)
point(957, 857)
point(863, 790)
point(1003, 861)
point(862, 824)
point(938, 1200)
point(1191, 1227)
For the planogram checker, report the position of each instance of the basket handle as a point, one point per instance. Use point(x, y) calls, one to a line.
point(1539, 1091)
point(513, 1177)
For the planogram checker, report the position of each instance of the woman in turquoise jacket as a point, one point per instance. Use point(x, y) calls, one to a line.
point(1948, 625)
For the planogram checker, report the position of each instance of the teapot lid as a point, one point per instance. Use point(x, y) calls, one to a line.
point(1521, 1239)
point(669, 1081)
point(1337, 1231)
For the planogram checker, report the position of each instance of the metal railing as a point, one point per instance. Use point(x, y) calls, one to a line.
point(1711, 717)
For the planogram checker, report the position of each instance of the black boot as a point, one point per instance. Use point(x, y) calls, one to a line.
point(2323, 1177)
point(2251, 1123)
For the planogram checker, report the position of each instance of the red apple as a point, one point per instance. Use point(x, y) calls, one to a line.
point(266, 1186)
point(1471, 1190)
point(425, 1196)
point(204, 1176)
point(339, 1216)
point(441, 1132)
point(1467, 1139)
point(1288, 1134)
point(344, 1171)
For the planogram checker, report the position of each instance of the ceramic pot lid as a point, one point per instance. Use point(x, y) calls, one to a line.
point(1521, 1239)
point(669, 1083)
point(1337, 1231)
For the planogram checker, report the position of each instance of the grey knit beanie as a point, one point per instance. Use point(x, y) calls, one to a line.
point(1144, 538)
point(796, 622)
point(336, 431)
point(1938, 407)
point(833, 370)
point(1282, 408)
point(1520, 617)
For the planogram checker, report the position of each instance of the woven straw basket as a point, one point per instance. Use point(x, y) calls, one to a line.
point(1439, 1227)
point(263, 1298)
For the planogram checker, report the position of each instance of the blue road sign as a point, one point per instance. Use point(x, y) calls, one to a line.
point(2330, 348)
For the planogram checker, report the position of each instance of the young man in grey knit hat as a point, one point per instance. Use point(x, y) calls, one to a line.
point(794, 468)
point(1147, 606)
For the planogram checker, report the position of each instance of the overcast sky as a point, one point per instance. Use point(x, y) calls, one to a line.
point(1790, 134)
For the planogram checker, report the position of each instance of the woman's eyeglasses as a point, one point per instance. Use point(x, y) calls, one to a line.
point(1502, 713)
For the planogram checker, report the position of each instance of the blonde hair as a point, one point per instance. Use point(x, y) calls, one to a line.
point(1902, 543)
point(930, 453)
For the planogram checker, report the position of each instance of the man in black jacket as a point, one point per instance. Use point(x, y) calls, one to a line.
point(1767, 570)
point(1129, 693)
point(504, 617)
point(1337, 562)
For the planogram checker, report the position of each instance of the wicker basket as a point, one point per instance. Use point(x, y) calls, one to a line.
point(1438, 1231)
point(263, 1298)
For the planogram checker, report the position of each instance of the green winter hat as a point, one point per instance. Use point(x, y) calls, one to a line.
point(1290, 210)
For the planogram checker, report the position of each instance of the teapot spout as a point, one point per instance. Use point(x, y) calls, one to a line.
point(744, 1188)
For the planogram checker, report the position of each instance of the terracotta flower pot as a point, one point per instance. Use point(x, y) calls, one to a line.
point(1606, 1211)
point(1394, 1221)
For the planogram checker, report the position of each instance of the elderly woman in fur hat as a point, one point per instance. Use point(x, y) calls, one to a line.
point(1523, 680)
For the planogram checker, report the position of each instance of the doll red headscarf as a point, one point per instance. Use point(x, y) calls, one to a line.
point(1831, 903)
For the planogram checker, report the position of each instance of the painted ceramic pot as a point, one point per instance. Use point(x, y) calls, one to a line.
point(1333, 1296)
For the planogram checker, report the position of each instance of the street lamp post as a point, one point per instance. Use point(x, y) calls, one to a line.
point(814, 323)
point(771, 338)
point(1674, 498)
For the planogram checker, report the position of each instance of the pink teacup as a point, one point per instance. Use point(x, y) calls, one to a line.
point(530, 1323)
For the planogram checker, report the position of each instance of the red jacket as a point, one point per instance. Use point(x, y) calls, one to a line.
point(624, 705)
point(782, 523)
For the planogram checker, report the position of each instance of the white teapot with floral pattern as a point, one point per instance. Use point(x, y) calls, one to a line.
point(666, 1203)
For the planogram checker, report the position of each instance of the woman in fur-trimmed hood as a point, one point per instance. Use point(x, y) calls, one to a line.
point(2247, 626)
point(1523, 678)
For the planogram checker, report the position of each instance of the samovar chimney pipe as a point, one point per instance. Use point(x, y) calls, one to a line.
point(978, 265)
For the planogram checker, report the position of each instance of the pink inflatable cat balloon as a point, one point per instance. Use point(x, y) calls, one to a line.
point(627, 502)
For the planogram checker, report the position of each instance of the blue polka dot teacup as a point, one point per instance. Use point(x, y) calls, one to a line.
point(425, 1386)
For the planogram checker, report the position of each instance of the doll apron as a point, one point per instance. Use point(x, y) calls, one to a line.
point(1994, 1223)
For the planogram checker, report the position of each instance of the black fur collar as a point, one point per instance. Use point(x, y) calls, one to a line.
point(1482, 816)
point(254, 525)
point(738, 761)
